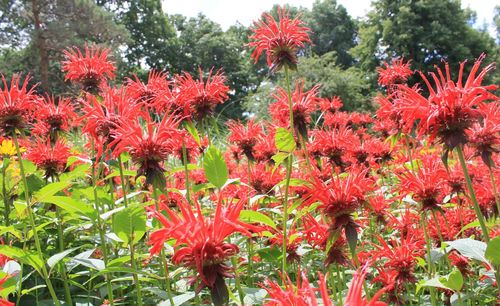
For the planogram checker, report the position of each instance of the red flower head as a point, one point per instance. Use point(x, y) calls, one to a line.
point(91, 69)
point(334, 144)
point(54, 116)
point(304, 103)
point(301, 294)
point(484, 137)
point(201, 241)
point(355, 294)
point(156, 92)
point(294, 239)
point(103, 118)
point(148, 148)
point(396, 73)
point(245, 137)
point(316, 233)
point(451, 108)
point(427, 183)
point(401, 256)
point(340, 197)
point(331, 106)
point(50, 158)
point(265, 148)
point(199, 98)
point(379, 206)
point(449, 226)
point(193, 148)
point(280, 39)
point(16, 104)
point(263, 179)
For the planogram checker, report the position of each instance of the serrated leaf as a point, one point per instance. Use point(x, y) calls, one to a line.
point(285, 142)
point(252, 216)
point(215, 167)
point(130, 222)
point(50, 190)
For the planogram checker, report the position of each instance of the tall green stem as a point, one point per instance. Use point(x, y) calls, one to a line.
point(186, 170)
point(31, 216)
point(102, 239)
point(288, 176)
point(472, 194)
point(6, 200)
point(494, 186)
point(60, 232)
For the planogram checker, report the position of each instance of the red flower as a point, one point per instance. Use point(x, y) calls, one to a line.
point(484, 137)
point(103, 117)
point(301, 294)
point(378, 207)
point(148, 148)
point(16, 104)
point(332, 106)
point(265, 148)
point(91, 69)
point(245, 137)
point(451, 108)
point(396, 73)
point(401, 256)
point(201, 241)
point(156, 92)
point(317, 233)
point(449, 226)
point(54, 116)
point(50, 158)
point(340, 197)
point(263, 179)
point(193, 148)
point(304, 103)
point(427, 183)
point(279, 39)
point(334, 144)
point(355, 294)
point(198, 98)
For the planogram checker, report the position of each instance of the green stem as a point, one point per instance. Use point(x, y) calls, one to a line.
point(134, 266)
point(100, 228)
point(472, 194)
point(6, 200)
point(60, 232)
point(122, 181)
point(288, 177)
point(31, 216)
point(163, 261)
point(186, 171)
point(430, 264)
point(241, 295)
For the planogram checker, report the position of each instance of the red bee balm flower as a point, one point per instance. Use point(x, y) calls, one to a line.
point(91, 69)
point(301, 294)
point(16, 104)
point(199, 98)
point(148, 148)
point(156, 92)
point(304, 103)
point(451, 109)
point(201, 241)
point(54, 116)
point(245, 137)
point(52, 159)
point(279, 39)
point(355, 293)
point(397, 73)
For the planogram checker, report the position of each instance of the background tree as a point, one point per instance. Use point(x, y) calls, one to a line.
point(422, 31)
point(333, 29)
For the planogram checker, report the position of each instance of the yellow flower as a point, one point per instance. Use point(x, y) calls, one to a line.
point(7, 149)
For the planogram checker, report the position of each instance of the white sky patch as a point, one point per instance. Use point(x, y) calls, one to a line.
point(228, 12)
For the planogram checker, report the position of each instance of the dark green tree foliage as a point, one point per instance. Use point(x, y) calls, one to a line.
point(41, 29)
point(333, 29)
point(422, 31)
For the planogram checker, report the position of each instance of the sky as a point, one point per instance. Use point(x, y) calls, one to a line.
point(228, 12)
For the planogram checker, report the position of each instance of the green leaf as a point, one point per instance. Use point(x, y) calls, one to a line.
point(493, 251)
point(285, 142)
point(215, 167)
point(454, 280)
point(179, 299)
point(193, 131)
point(27, 257)
point(469, 248)
point(54, 259)
point(130, 222)
point(117, 173)
point(50, 190)
point(252, 216)
point(279, 158)
point(71, 205)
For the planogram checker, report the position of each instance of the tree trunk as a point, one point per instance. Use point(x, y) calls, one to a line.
point(41, 45)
